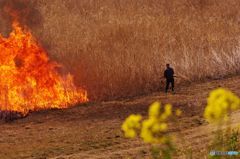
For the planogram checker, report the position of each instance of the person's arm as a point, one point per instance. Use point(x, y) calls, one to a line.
point(173, 73)
point(165, 74)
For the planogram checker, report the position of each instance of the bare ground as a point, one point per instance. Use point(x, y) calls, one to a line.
point(93, 130)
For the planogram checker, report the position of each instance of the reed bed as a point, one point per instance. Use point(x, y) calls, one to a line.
point(119, 48)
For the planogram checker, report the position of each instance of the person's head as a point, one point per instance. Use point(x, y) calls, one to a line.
point(168, 65)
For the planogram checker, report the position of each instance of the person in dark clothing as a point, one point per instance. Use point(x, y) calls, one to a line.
point(169, 75)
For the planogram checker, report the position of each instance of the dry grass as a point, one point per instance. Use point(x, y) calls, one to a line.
point(120, 48)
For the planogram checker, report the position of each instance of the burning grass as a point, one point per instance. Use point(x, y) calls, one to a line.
point(29, 80)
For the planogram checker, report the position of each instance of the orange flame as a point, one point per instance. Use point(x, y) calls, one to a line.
point(29, 80)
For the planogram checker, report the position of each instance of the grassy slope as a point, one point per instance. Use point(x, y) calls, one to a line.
point(93, 130)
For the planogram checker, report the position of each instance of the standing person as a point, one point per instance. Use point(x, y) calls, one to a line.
point(169, 75)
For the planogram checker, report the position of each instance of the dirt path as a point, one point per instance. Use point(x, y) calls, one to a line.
point(93, 130)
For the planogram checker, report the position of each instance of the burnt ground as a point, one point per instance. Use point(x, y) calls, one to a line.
point(93, 130)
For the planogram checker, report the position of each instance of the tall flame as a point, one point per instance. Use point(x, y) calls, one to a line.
point(29, 80)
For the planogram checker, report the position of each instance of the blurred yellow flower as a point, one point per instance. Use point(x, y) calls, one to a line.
point(167, 112)
point(154, 110)
point(131, 125)
point(154, 128)
point(178, 112)
point(220, 103)
point(153, 131)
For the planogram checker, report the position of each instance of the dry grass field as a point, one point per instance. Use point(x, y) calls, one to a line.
point(120, 48)
point(117, 51)
point(93, 130)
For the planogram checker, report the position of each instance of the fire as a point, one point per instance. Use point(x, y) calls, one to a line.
point(29, 80)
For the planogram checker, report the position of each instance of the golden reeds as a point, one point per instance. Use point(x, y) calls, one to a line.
point(120, 48)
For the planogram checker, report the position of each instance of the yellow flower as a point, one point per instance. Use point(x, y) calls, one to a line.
point(220, 103)
point(168, 109)
point(167, 112)
point(154, 110)
point(155, 127)
point(146, 132)
point(161, 127)
point(131, 125)
point(153, 131)
point(178, 112)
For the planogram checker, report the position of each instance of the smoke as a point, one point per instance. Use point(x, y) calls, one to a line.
point(24, 11)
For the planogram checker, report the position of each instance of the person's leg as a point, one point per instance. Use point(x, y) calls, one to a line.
point(172, 85)
point(167, 86)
